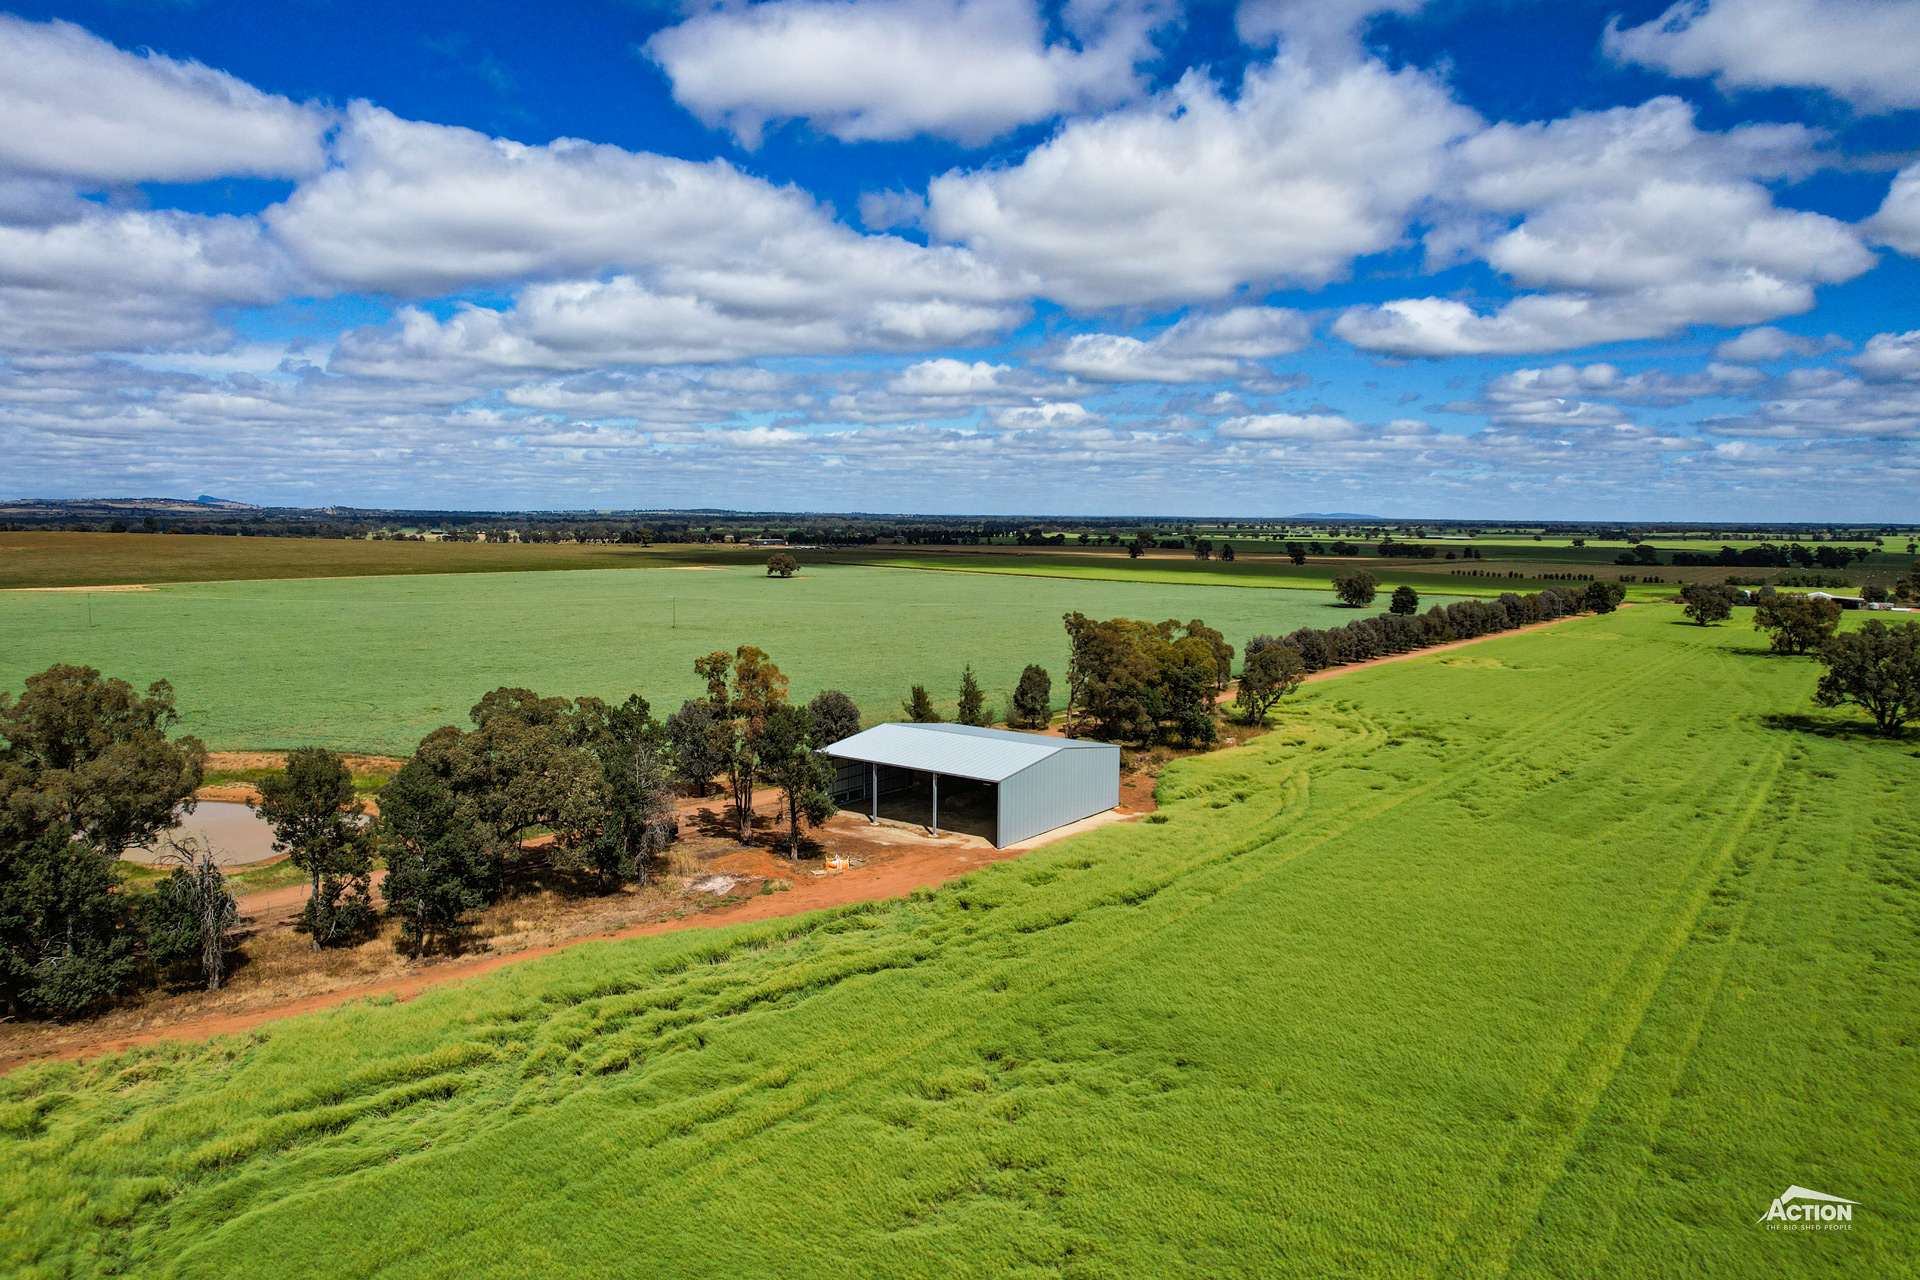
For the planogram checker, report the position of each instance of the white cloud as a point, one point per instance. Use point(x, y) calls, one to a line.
point(1638, 222)
point(125, 280)
point(1110, 357)
point(1200, 348)
point(1767, 343)
point(935, 390)
point(1825, 404)
point(708, 263)
point(621, 321)
point(1054, 413)
point(1865, 51)
point(664, 396)
point(1897, 224)
point(949, 377)
point(1291, 427)
point(965, 69)
point(1538, 323)
point(73, 106)
point(1606, 381)
point(1567, 395)
point(424, 209)
point(1193, 196)
point(1890, 357)
point(1245, 333)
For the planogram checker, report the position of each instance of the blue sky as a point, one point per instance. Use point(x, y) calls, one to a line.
point(1114, 256)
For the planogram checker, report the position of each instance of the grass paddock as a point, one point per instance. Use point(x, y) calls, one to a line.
point(373, 664)
point(1561, 956)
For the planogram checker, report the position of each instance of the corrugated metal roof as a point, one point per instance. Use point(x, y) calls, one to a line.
point(985, 755)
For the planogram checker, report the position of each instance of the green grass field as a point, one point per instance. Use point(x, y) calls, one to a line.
point(1560, 956)
point(1428, 577)
point(372, 664)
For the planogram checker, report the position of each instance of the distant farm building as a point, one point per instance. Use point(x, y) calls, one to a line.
point(989, 782)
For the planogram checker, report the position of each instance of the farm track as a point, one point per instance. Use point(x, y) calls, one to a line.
point(1662, 1057)
point(1537, 1152)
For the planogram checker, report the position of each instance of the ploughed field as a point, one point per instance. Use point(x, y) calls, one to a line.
point(44, 559)
point(1558, 955)
point(373, 664)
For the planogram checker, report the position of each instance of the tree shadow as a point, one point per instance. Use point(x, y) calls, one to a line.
point(718, 822)
point(1830, 727)
point(531, 874)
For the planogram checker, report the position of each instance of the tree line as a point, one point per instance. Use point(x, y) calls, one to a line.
point(1765, 555)
point(1403, 630)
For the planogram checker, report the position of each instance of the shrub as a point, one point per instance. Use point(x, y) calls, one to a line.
point(1033, 698)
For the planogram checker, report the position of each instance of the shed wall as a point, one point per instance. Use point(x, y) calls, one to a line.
point(1065, 787)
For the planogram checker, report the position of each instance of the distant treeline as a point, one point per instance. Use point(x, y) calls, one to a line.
point(1768, 555)
point(1402, 537)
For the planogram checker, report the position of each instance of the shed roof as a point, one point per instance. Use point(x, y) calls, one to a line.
point(962, 751)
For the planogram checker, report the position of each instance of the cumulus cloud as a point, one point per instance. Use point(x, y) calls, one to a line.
point(1865, 51)
point(1607, 381)
point(636, 258)
point(74, 106)
point(1897, 224)
point(1638, 222)
point(1193, 195)
point(949, 377)
point(1890, 357)
point(1200, 348)
point(1566, 395)
point(125, 280)
point(1053, 413)
point(663, 396)
point(1292, 427)
point(424, 209)
point(964, 69)
point(1766, 343)
point(939, 389)
point(585, 324)
point(1826, 404)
